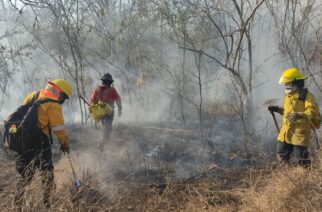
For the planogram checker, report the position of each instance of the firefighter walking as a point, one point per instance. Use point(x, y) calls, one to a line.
point(107, 94)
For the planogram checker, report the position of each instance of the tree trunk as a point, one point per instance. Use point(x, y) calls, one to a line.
point(2, 5)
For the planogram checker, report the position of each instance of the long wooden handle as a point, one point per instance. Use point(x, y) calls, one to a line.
point(315, 135)
point(86, 102)
point(275, 121)
point(71, 166)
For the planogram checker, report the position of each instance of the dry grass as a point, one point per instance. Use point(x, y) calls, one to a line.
point(281, 189)
point(215, 191)
point(286, 189)
point(227, 186)
point(65, 198)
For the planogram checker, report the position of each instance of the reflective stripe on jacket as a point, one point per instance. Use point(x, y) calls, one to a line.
point(50, 112)
point(298, 132)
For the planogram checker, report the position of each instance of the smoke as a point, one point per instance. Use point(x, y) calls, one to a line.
point(158, 135)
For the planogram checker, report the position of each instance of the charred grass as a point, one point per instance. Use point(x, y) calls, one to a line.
point(221, 182)
point(246, 189)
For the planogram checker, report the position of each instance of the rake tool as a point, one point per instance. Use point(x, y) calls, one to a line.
point(77, 181)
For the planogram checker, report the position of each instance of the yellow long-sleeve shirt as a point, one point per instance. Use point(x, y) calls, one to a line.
point(50, 113)
point(298, 132)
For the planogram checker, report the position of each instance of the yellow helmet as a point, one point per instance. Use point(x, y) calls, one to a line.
point(290, 75)
point(63, 85)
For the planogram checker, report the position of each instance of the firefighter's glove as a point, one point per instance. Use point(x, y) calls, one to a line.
point(275, 109)
point(291, 117)
point(119, 113)
point(64, 147)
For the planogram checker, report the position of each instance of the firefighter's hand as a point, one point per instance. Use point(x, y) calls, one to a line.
point(64, 147)
point(119, 112)
point(275, 109)
point(294, 116)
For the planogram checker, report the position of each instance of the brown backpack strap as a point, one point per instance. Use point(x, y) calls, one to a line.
point(50, 134)
point(42, 101)
point(34, 98)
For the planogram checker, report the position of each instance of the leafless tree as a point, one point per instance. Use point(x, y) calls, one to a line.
point(221, 32)
point(298, 29)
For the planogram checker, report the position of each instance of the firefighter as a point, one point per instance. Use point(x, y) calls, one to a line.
point(50, 120)
point(300, 115)
point(108, 94)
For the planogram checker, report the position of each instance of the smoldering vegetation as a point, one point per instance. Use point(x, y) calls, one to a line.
point(139, 162)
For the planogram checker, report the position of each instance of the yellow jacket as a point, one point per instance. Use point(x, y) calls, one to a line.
point(50, 112)
point(298, 132)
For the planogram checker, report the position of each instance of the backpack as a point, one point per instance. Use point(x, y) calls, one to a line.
point(316, 121)
point(21, 129)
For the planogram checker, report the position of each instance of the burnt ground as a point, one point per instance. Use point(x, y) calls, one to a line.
point(137, 156)
point(147, 153)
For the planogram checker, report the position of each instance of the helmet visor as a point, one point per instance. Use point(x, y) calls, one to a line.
point(284, 80)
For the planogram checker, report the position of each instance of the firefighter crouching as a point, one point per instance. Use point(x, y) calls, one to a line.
point(50, 118)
